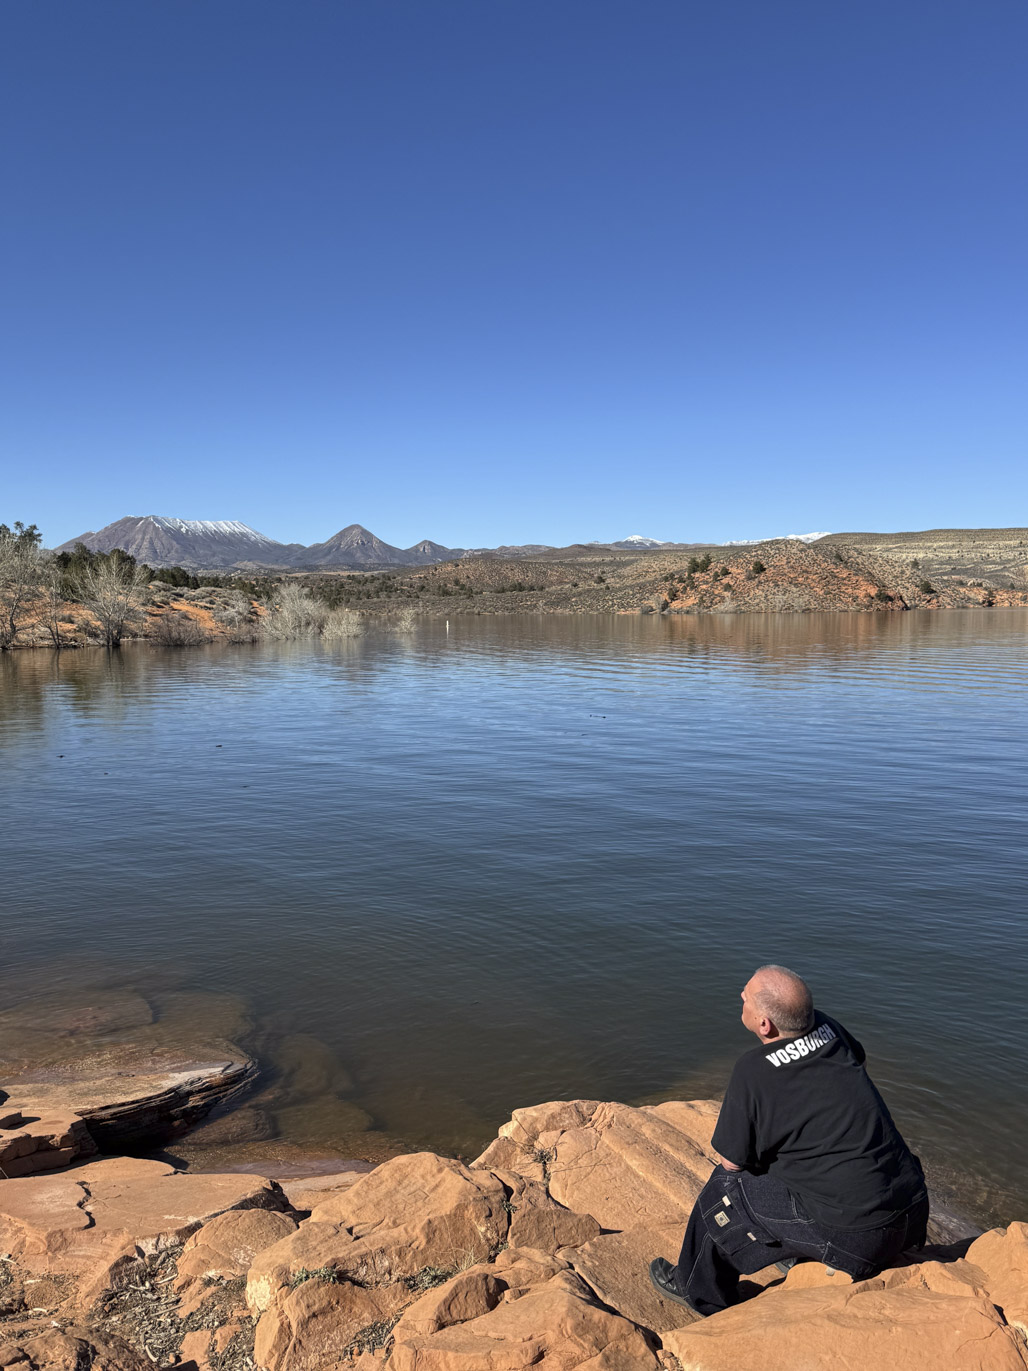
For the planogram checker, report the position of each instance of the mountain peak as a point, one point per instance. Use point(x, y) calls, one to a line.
point(162, 540)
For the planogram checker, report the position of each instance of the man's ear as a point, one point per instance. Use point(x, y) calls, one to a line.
point(767, 1029)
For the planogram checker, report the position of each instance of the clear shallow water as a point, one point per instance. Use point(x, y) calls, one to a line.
point(535, 858)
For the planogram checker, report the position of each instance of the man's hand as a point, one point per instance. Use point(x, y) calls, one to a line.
point(729, 1166)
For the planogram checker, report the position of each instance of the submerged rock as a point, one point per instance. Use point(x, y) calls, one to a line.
point(132, 1076)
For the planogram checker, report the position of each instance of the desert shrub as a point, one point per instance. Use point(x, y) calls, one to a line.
point(758, 568)
point(428, 1278)
point(177, 630)
point(343, 623)
point(406, 621)
point(318, 1273)
point(233, 612)
point(295, 614)
point(926, 587)
point(883, 596)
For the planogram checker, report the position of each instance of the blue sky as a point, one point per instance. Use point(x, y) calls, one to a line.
point(496, 271)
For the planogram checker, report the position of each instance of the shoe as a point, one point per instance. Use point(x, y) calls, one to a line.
point(786, 1265)
point(662, 1276)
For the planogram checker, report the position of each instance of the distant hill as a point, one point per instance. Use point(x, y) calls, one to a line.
point(217, 544)
point(999, 555)
point(356, 546)
point(207, 543)
point(509, 550)
point(428, 552)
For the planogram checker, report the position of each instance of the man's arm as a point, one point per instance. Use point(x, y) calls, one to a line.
point(729, 1166)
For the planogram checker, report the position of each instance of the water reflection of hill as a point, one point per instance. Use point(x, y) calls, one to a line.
point(892, 650)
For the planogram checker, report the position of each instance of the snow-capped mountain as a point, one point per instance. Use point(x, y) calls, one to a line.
point(208, 543)
point(637, 540)
point(216, 544)
point(797, 537)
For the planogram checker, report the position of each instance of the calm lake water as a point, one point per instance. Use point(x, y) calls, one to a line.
point(537, 857)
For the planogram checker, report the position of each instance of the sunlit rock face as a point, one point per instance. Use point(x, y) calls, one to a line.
point(535, 1254)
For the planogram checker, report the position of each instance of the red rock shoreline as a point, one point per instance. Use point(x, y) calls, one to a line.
point(535, 1254)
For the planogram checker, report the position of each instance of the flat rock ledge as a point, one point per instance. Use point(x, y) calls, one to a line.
point(534, 1255)
point(81, 1077)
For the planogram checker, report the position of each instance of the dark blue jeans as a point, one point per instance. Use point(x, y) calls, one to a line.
point(742, 1223)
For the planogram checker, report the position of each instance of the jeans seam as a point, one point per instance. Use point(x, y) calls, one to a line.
point(699, 1257)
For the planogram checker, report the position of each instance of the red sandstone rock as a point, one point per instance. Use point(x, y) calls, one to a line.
point(628, 1168)
point(616, 1267)
point(196, 1349)
point(863, 1326)
point(310, 1327)
point(72, 1350)
point(556, 1325)
point(410, 1213)
point(97, 1219)
point(33, 1143)
point(313, 1247)
point(417, 1211)
point(521, 1268)
point(225, 1248)
point(306, 1192)
point(1002, 1257)
point(465, 1296)
point(132, 1077)
point(539, 1222)
point(535, 1282)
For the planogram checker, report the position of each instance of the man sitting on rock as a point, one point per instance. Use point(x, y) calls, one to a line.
point(812, 1165)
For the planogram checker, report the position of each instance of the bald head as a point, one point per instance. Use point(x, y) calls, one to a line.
point(777, 997)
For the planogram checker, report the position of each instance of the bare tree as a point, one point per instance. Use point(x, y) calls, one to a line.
point(111, 588)
point(52, 598)
point(19, 579)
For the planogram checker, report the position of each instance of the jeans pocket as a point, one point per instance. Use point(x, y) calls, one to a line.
point(731, 1223)
point(799, 1212)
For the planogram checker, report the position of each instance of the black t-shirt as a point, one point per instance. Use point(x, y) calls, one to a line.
point(805, 1110)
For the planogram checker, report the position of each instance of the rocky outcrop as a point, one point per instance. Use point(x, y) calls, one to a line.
point(536, 1254)
point(129, 1074)
point(923, 1316)
point(72, 1350)
point(31, 1142)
